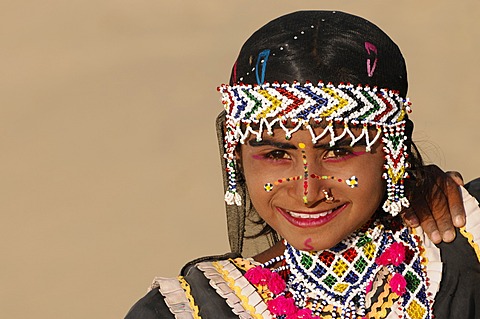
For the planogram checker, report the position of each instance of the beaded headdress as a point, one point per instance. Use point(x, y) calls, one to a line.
point(255, 109)
point(316, 67)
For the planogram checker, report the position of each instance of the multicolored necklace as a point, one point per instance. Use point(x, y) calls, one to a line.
point(373, 271)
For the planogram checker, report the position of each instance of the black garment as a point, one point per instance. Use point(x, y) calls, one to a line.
point(459, 295)
point(211, 305)
point(458, 298)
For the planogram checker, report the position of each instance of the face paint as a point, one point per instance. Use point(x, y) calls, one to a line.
point(305, 173)
point(352, 182)
point(269, 186)
point(307, 245)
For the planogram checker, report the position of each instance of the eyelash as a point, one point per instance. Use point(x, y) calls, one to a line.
point(331, 155)
point(346, 154)
point(277, 155)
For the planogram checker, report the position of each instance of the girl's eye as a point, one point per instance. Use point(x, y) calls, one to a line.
point(277, 155)
point(336, 153)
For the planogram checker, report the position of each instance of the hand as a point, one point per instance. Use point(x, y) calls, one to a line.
point(439, 207)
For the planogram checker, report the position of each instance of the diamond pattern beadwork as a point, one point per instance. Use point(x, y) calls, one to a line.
point(339, 277)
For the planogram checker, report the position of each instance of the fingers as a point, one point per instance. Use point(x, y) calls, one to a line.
point(457, 177)
point(443, 220)
point(426, 220)
point(440, 210)
point(410, 218)
point(447, 205)
point(455, 203)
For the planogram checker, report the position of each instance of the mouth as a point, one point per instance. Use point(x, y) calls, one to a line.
point(311, 219)
point(303, 215)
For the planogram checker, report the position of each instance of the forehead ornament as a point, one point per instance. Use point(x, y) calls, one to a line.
point(258, 108)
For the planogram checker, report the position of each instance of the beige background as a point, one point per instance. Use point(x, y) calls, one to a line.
point(109, 173)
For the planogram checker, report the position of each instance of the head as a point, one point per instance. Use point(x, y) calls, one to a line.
point(315, 121)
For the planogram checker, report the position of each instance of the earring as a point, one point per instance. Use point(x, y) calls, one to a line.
point(328, 196)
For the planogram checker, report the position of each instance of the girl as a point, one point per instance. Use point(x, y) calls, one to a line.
point(319, 156)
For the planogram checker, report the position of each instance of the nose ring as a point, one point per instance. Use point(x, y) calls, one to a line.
point(328, 196)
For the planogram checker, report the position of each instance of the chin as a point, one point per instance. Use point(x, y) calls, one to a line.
point(314, 244)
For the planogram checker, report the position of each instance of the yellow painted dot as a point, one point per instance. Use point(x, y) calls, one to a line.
point(301, 145)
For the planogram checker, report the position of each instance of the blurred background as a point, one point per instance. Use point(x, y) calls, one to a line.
point(109, 168)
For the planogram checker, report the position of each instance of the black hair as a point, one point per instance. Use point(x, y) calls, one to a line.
point(323, 46)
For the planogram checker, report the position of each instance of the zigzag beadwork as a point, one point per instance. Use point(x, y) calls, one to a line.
point(249, 104)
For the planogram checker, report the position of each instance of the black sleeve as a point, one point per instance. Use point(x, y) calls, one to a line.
point(211, 305)
point(459, 295)
point(151, 306)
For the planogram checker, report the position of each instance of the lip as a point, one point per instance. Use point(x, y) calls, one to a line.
point(311, 219)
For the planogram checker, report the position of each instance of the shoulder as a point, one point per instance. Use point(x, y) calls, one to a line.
point(151, 306)
point(455, 267)
point(206, 288)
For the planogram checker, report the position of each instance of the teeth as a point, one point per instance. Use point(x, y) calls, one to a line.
point(300, 215)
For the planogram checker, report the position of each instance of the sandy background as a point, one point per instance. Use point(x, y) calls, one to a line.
point(102, 186)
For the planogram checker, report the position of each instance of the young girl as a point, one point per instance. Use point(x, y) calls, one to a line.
point(319, 158)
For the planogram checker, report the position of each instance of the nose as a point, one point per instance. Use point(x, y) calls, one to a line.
point(311, 189)
point(314, 190)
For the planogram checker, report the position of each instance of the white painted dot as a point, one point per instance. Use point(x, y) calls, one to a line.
point(248, 73)
point(303, 32)
point(295, 37)
point(241, 79)
point(281, 48)
point(312, 26)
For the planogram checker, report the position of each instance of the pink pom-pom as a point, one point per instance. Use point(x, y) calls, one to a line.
point(394, 255)
point(398, 284)
point(303, 314)
point(276, 283)
point(282, 306)
point(258, 275)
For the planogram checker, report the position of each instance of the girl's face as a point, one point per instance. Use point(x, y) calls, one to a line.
point(297, 173)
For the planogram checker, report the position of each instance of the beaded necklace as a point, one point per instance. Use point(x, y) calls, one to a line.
point(374, 264)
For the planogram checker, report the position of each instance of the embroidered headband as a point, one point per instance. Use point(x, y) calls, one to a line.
point(254, 109)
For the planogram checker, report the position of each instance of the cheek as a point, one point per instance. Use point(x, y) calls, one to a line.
point(255, 179)
point(371, 181)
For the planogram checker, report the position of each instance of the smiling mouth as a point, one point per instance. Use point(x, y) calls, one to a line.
point(304, 215)
point(313, 219)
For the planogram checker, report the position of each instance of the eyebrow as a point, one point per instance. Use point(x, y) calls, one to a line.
point(285, 146)
point(342, 142)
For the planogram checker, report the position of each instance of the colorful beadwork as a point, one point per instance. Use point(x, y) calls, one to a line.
point(255, 109)
point(336, 282)
point(352, 181)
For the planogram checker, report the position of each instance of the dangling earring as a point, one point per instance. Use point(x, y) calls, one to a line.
point(328, 196)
